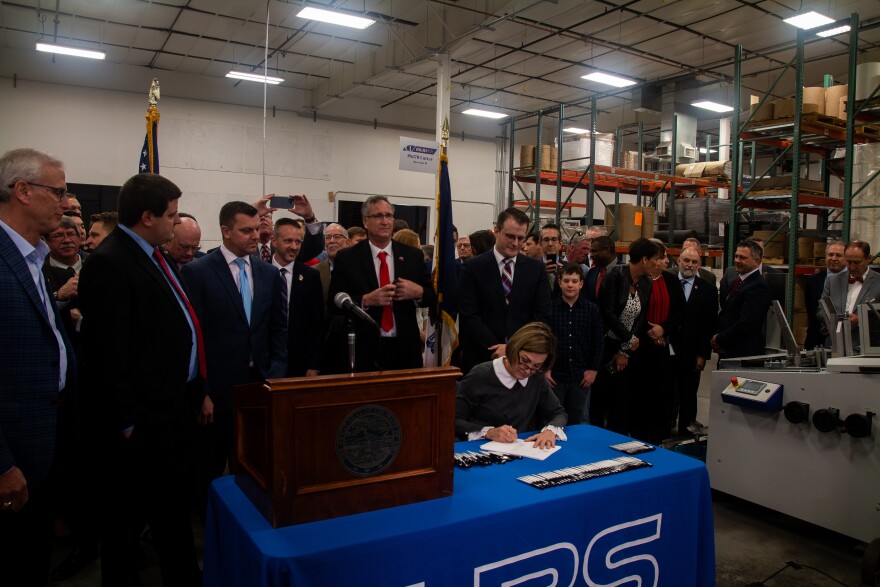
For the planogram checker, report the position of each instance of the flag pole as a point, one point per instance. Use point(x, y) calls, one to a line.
point(444, 142)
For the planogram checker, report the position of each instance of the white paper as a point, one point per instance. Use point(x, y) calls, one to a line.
point(520, 448)
point(418, 155)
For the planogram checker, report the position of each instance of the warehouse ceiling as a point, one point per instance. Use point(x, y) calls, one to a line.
point(510, 56)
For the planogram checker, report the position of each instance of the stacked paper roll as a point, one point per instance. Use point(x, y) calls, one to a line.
point(867, 76)
point(546, 163)
point(832, 100)
point(527, 156)
point(815, 96)
point(841, 108)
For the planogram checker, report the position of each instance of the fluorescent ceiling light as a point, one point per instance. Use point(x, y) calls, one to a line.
point(835, 31)
point(808, 21)
point(50, 48)
point(355, 22)
point(253, 77)
point(575, 130)
point(703, 150)
point(713, 106)
point(484, 113)
point(609, 80)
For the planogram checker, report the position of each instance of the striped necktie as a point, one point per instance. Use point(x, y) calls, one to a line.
point(507, 278)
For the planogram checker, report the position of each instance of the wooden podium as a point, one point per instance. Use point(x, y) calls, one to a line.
point(308, 449)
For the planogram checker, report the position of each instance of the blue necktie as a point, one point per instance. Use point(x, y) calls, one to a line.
point(244, 287)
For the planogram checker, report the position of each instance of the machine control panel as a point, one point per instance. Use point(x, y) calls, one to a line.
point(751, 393)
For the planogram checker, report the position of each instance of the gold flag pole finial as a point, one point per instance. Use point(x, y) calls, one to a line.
point(153, 96)
point(444, 134)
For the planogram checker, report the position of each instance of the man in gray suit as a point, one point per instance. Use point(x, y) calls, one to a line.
point(855, 286)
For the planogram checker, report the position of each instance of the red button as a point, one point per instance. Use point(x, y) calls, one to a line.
point(734, 381)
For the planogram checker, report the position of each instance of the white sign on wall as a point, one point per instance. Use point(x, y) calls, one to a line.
point(418, 155)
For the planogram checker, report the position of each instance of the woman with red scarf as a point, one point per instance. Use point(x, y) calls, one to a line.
point(652, 363)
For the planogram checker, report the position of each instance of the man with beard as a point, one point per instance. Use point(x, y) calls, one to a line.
point(690, 341)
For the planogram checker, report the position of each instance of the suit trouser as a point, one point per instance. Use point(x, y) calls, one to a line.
point(26, 541)
point(651, 395)
point(148, 483)
point(686, 384)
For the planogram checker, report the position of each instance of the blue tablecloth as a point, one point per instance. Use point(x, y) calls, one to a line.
point(652, 523)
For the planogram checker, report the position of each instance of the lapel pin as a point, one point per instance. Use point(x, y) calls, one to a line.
point(300, 277)
point(400, 259)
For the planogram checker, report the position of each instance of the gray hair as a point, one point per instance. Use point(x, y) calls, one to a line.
point(23, 165)
point(372, 201)
point(67, 222)
point(334, 225)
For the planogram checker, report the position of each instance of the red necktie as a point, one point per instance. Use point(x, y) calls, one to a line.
point(385, 279)
point(200, 342)
point(735, 286)
point(599, 279)
point(265, 253)
point(860, 279)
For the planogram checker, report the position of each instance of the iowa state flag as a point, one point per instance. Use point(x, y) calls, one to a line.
point(442, 339)
point(149, 162)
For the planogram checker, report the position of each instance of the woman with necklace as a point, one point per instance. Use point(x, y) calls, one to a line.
point(624, 295)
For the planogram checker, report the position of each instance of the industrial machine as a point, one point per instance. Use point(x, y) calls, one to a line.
point(798, 432)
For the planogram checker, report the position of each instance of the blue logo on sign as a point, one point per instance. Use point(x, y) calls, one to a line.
point(417, 149)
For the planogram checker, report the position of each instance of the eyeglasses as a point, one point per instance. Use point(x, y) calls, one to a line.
point(550, 239)
point(385, 216)
point(59, 192)
point(527, 364)
point(463, 246)
point(334, 237)
point(193, 248)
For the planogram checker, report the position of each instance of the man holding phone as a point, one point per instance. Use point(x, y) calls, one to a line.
point(313, 238)
point(550, 242)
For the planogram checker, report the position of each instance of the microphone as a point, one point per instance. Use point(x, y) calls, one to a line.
point(343, 302)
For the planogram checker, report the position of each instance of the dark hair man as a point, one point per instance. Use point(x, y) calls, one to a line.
point(855, 286)
point(500, 291)
point(143, 364)
point(305, 306)
point(103, 224)
point(240, 302)
point(744, 305)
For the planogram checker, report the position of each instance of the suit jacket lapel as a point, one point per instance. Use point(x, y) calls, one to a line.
point(869, 287)
point(371, 276)
point(224, 277)
point(22, 272)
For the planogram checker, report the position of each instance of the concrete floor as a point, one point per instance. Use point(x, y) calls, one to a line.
point(753, 545)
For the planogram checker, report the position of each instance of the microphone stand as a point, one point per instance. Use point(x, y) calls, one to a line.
point(351, 343)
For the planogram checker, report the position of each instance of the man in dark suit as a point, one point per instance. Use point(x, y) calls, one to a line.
point(855, 286)
point(240, 304)
point(305, 313)
point(744, 305)
point(334, 355)
point(604, 257)
point(388, 280)
point(500, 291)
point(37, 365)
point(143, 367)
point(815, 285)
point(690, 341)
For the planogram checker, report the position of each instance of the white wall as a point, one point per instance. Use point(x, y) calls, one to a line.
point(214, 152)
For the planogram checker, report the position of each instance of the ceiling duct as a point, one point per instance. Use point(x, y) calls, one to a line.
point(647, 98)
point(676, 111)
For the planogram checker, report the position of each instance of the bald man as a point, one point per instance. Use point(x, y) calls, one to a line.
point(185, 243)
